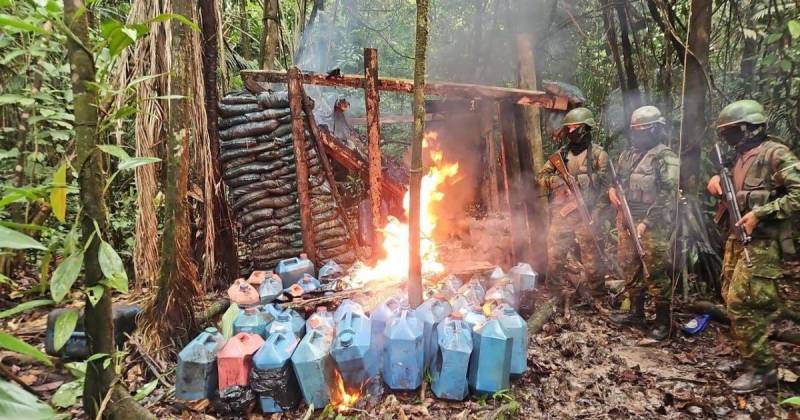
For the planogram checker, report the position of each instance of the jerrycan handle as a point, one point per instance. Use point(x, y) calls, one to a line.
point(273, 338)
point(293, 260)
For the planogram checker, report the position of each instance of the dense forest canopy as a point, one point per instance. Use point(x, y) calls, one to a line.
point(158, 69)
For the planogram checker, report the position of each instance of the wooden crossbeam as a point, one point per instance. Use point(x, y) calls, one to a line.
point(256, 80)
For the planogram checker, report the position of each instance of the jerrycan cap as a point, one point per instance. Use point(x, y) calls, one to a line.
point(242, 293)
point(321, 310)
point(284, 317)
point(211, 330)
point(257, 277)
point(303, 256)
point(346, 338)
point(307, 278)
point(314, 323)
point(508, 310)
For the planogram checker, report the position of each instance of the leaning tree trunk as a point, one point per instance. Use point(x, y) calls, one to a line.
point(169, 316)
point(415, 177)
point(91, 176)
point(695, 89)
point(270, 35)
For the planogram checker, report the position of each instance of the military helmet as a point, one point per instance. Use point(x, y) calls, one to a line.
point(579, 116)
point(744, 111)
point(644, 117)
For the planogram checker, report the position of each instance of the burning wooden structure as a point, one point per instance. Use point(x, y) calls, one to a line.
point(286, 165)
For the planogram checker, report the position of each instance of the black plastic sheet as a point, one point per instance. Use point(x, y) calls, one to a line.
point(273, 99)
point(280, 384)
point(227, 111)
point(233, 401)
point(249, 129)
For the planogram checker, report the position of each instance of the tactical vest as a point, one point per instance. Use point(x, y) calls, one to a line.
point(643, 183)
point(578, 166)
point(758, 189)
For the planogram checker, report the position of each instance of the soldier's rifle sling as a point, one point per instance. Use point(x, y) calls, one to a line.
point(627, 216)
point(734, 213)
point(558, 163)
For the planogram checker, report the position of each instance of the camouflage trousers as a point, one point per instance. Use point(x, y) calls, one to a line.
point(568, 234)
point(656, 243)
point(751, 296)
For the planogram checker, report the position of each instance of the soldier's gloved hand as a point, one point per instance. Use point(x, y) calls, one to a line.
point(640, 228)
point(612, 196)
point(749, 221)
point(714, 187)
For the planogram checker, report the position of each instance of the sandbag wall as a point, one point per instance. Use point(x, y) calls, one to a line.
point(258, 161)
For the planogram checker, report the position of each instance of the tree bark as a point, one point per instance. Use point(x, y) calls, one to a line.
point(486, 110)
point(521, 241)
point(169, 317)
point(632, 82)
point(226, 258)
point(529, 132)
point(695, 89)
point(244, 42)
point(98, 320)
point(611, 39)
point(270, 36)
point(372, 104)
point(415, 176)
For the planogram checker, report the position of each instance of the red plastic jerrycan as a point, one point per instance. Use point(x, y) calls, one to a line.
point(235, 360)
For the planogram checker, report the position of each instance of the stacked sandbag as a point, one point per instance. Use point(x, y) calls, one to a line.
point(257, 154)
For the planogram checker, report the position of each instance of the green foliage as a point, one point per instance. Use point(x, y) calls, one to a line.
point(64, 326)
point(22, 307)
point(65, 275)
point(226, 324)
point(11, 239)
point(16, 403)
point(9, 342)
point(145, 390)
point(795, 401)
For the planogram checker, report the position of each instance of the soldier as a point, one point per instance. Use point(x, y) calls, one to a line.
point(766, 180)
point(588, 164)
point(650, 170)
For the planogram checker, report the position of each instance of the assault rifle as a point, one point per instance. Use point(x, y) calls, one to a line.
point(627, 219)
point(572, 184)
point(731, 205)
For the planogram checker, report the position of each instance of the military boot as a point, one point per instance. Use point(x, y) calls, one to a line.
point(636, 315)
point(663, 322)
point(754, 380)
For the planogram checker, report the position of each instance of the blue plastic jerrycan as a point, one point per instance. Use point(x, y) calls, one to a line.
point(494, 276)
point(378, 318)
point(346, 306)
point(270, 288)
point(290, 320)
point(291, 270)
point(450, 285)
point(517, 329)
point(315, 368)
point(322, 320)
point(473, 290)
point(523, 277)
point(250, 321)
point(490, 364)
point(431, 312)
point(461, 303)
point(503, 292)
point(330, 272)
point(451, 361)
point(403, 352)
point(351, 350)
point(474, 316)
point(196, 373)
point(309, 283)
point(272, 376)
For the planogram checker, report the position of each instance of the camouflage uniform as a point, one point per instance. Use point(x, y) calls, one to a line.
point(767, 181)
point(651, 181)
point(567, 229)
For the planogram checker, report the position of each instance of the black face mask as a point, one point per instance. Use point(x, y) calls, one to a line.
point(733, 135)
point(579, 139)
point(744, 137)
point(644, 140)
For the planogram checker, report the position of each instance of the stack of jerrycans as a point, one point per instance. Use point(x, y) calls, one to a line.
point(272, 376)
point(312, 361)
point(196, 374)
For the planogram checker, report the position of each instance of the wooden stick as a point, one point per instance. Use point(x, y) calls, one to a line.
point(301, 162)
point(308, 107)
point(372, 103)
point(541, 316)
point(253, 78)
point(518, 217)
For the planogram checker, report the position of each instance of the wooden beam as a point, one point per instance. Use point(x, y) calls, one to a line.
point(253, 78)
point(518, 214)
point(372, 105)
point(313, 127)
point(486, 134)
point(295, 86)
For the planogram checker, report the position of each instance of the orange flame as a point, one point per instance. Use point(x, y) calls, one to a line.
point(340, 398)
point(388, 273)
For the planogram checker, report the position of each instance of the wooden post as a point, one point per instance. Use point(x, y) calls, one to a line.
point(415, 176)
point(372, 103)
point(517, 209)
point(301, 161)
point(485, 111)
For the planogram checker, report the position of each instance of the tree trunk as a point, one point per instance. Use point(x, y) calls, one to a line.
point(91, 177)
point(695, 89)
point(415, 177)
point(225, 255)
point(169, 316)
point(529, 132)
point(244, 32)
point(372, 105)
point(270, 35)
point(632, 82)
point(613, 47)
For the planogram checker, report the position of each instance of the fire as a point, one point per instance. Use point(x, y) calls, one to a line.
point(340, 398)
point(393, 269)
